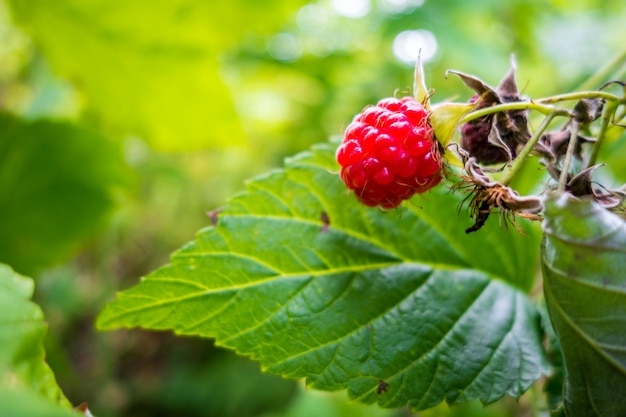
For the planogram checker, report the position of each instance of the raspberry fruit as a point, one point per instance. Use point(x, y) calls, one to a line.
point(389, 153)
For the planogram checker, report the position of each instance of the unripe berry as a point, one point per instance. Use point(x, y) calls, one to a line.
point(389, 153)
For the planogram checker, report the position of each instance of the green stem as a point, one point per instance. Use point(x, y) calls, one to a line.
point(541, 105)
point(516, 105)
point(577, 96)
point(603, 73)
point(608, 112)
point(620, 116)
point(528, 147)
point(571, 146)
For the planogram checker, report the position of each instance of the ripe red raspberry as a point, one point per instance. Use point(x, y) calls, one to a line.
point(389, 153)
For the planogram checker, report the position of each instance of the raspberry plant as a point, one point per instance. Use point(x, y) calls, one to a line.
point(401, 306)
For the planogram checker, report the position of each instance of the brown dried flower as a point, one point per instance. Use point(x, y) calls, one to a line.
point(494, 138)
point(487, 195)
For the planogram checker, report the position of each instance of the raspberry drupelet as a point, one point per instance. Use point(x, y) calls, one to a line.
point(389, 153)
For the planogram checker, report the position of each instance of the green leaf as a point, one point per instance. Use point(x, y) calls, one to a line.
point(57, 185)
point(553, 385)
point(396, 307)
point(584, 265)
point(152, 68)
point(23, 370)
point(22, 403)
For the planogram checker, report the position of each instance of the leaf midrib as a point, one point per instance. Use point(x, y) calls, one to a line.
point(359, 236)
point(238, 287)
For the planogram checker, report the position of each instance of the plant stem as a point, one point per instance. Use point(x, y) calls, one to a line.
point(528, 147)
point(608, 112)
point(571, 146)
point(541, 105)
point(577, 96)
point(603, 73)
point(516, 105)
point(619, 117)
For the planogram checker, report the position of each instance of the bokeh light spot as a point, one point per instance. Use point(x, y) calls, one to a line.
point(284, 47)
point(399, 6)
point(407, 45)
point(312, 18)
point(354, 9)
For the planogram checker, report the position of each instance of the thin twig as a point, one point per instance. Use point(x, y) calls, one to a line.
point(607, 113)
point(571, 146)
point(528, 147)
point(577, 96)
point(517, 105)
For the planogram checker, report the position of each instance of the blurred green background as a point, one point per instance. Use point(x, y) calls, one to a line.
point(123, 123)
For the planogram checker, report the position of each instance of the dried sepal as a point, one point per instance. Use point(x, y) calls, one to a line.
point(553, 145)
point(494, 138)
point(479, 86)
point(582, 185)
point(587, 110)
point(487, 195)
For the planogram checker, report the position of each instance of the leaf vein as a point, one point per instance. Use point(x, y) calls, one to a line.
point(193, 326)
point(357, 329)
point(436, 346)
point(497, 348)
point(261, 323)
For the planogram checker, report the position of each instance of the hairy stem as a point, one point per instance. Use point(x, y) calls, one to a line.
point(571, 146)
point(577, 96)
point(541, 105)
point(528, 147)
point(517, 105)
point(618, 118)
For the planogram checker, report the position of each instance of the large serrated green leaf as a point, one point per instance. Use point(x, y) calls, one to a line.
point(397, 307)
point(584, 264)
point(23, 403)
point(23, 371)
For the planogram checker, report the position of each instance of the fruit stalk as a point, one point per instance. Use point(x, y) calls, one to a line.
point(518, 163)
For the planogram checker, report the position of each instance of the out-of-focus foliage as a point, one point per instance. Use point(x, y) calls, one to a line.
point(238, 85)
point(25, 378)
point(57, 184)
point(151, 68)
point(21, 403)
